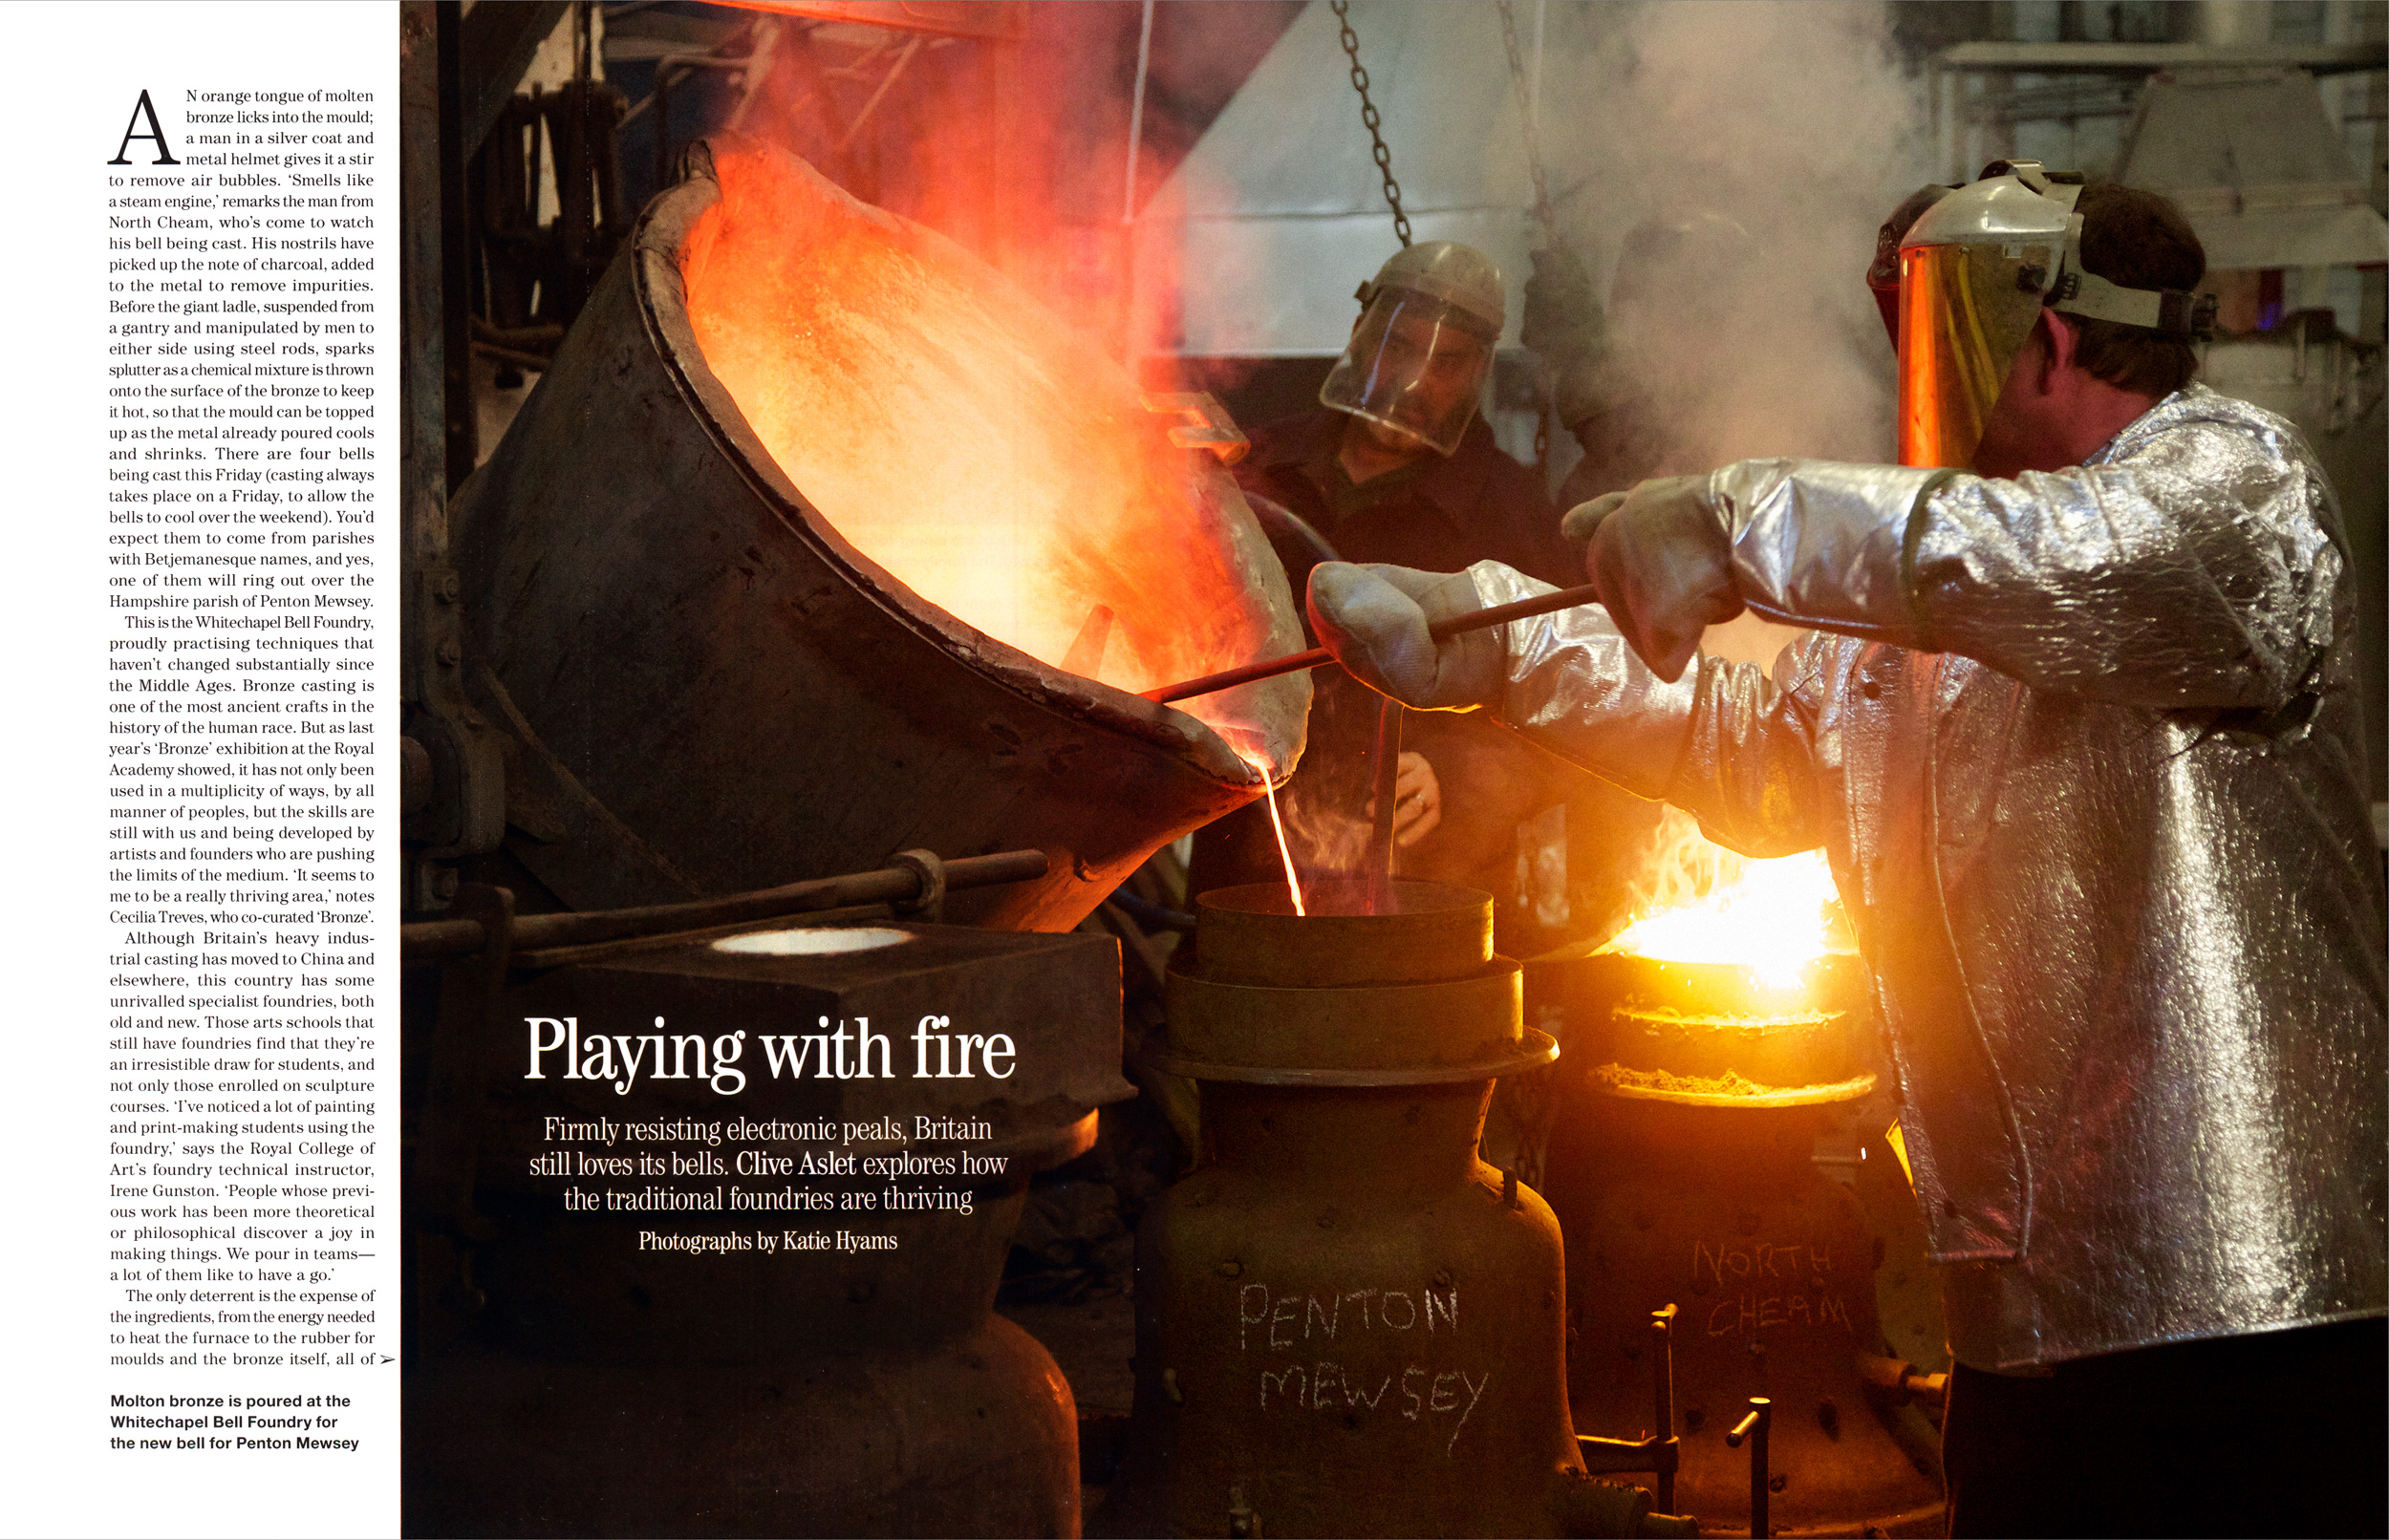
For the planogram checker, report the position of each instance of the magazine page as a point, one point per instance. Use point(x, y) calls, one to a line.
point(209, 1182)
point(987, 767)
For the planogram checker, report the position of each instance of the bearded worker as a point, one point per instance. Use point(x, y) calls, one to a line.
point(2077, 729)
point(1396, 464)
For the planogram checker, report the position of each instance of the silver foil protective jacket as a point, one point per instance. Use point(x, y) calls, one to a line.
point(1816, 541)
point(2108, 857)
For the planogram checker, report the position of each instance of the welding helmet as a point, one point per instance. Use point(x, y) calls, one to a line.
point(1976, 270)
point(1418, 360)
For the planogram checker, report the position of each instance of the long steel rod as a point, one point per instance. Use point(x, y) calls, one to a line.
point(1385, 770)
point(453, 938)
point(1583, 593)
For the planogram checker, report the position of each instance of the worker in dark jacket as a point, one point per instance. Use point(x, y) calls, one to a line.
point(1397, 465)
point(1430, 505)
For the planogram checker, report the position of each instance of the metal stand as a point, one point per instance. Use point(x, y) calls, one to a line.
point(1657, 1453)
point(1754, 1426)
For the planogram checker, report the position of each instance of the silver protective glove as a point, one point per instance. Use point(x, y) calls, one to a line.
point(1662, 555)
point(1375, 618)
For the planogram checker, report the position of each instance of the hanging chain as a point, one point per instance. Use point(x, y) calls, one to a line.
point(1543, 212)
point(1526, 122)
point(1368, 117)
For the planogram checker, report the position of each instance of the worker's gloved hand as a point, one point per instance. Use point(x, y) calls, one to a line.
point(1563, 326)
point(1661, 556)
point(1374, 619)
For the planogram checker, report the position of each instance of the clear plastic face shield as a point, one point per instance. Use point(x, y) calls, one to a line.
point(1416, 365)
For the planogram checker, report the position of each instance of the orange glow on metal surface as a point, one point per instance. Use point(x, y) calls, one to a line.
point(968, 441)
point(1705, 904)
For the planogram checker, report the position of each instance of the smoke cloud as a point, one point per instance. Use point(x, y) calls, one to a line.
point(1792, 121)
point(1016, 141)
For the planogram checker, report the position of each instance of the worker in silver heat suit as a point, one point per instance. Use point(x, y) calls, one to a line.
point(2078, 732)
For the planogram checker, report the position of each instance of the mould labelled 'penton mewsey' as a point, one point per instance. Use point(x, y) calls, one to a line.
point(1346, 1322)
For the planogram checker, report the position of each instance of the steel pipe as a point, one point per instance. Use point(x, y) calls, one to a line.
point(436, 939)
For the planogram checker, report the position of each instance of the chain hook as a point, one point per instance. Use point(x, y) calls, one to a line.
point(1370, 118)
point(1543, 214)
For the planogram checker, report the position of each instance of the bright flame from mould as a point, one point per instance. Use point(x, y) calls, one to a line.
point(971, 443)
point(1704, 903)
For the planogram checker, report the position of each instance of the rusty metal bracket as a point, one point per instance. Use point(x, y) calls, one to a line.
point(568, 828)
point(1900, 1381)
point(1625, 1457)
point(1658, 1453)
point(1208, 423)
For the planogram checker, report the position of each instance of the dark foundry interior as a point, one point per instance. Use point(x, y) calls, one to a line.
point(1710, 861)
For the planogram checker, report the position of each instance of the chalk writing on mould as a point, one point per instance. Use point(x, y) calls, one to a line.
point(1775, 1287)
point(1303, 1325)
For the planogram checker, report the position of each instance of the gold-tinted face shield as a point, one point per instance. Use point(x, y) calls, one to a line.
point(1965, 313)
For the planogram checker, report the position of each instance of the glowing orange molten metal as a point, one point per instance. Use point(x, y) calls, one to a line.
point(1705, 904)
point(971, 443)
point(1285, 853)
